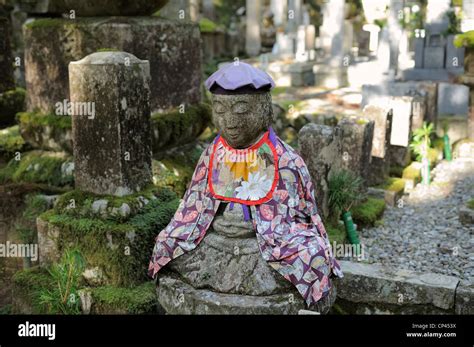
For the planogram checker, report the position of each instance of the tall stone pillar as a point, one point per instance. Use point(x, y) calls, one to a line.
point(253, 17)
point(279, 9)
point(110, 97)
point(395, 33)
point(332, 73)
point(208, 9)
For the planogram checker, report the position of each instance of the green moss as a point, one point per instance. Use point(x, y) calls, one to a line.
point(464, 40)
point(412, 172)
point(170, 174)
point(11, 140)
point(35, 204)
point(393, 184)
point(78, 204)
point(206, 25)
point(336, 232)
point(433, 155)
point(368, 212)
point(470, 204)
point(279, 90)
point(27, 285)
point(37, 119)
point(11, 102)
point(5, 310)
point(120, 249)
point(175, 128)
point(107, 50)
point(396, 171)
point(38, 167)
point(361, 121)
point(137, 300)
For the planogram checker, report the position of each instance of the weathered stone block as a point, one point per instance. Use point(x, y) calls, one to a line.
point(116, 242)
point(320, 147)
point(92, 8)
point(356, 144)
point(302, 74)
point(381, 118)
point(112, 148)
point(172, 48)
point(418, 112)
point(372, 288)
point(453, 99)
point(465, 298)
point(379, 165)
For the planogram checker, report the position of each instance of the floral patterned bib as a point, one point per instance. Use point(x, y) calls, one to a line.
point(246, 176)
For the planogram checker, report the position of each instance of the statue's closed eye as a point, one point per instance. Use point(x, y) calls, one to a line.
point(240, 107)
point(218, 107)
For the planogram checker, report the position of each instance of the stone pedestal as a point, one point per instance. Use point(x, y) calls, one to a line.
point(302, 74)
point(173, 49)
point(112, 146)
point(226, 274)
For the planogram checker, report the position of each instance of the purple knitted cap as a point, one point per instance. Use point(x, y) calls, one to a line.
point(239, 78)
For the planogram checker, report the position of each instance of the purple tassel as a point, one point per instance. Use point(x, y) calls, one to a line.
point(231, 206)
point(245, 210)
point(272, 136)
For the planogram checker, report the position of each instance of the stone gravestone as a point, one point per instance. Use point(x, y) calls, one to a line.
point(426, 89)
point(332, 73)
point(454, 55)
point(253, 40)
point(453, 99)
point(320, 147)
point(401, 130)
point(6, 67)
point(356, 144)
point(173, 48)
point(419, 112)
point(380, 164)
point(112, 144)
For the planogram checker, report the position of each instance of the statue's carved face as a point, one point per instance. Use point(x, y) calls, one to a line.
point(242, 119)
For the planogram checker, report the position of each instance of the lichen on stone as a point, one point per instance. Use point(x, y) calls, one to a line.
point(11, 141)
point(38, 167)
point(120, 249)
point(173, 128)
point(368, 212)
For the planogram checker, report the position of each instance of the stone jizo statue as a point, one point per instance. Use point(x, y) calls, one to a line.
point(247, 168)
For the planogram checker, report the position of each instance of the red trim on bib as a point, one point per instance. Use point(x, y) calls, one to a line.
point(264, 139)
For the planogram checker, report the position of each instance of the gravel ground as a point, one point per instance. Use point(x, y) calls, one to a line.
point(425, 234)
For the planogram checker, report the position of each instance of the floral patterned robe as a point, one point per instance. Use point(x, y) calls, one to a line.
point(290, 233)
